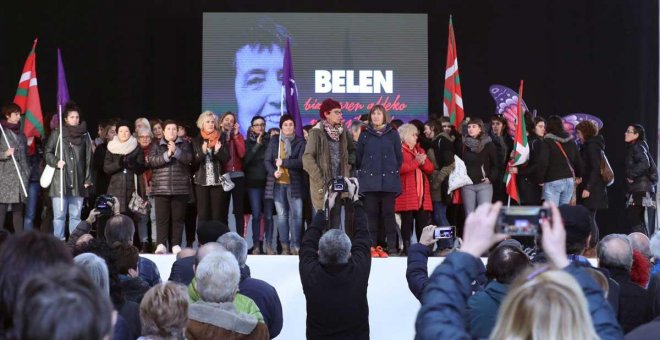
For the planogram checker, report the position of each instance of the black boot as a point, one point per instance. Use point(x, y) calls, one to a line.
point(406, 245)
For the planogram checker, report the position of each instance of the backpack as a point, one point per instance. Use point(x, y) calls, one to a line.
point(606, 172)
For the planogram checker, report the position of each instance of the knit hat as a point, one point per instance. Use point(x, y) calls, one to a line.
point(327, 106)
point(210, 231)
point(576, 222)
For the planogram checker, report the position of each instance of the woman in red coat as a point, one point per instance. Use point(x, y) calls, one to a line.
point(414, 203)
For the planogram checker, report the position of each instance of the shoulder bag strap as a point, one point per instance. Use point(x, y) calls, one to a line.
point(566, 157)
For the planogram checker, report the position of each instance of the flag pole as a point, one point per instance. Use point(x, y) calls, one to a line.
point(279, 149)
point(61, 159)
point(13, 158)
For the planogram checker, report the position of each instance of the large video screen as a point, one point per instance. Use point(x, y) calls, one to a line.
point(357, 59)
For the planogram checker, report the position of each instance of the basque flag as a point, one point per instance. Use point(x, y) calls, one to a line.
point(520, 151)
point(27, 97)
point(290, 90)
point(452, 105)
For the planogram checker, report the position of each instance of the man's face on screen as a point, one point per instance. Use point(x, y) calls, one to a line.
point(258, 84)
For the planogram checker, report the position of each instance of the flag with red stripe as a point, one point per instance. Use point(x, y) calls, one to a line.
point(27, 97)
point(520, 151)
point(452, 105)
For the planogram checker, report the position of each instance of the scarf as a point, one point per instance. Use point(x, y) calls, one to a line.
point(476, 145)
point(332, 131)
point(379, 130)
point(447, 136)
point(15, 128)
point(118, 148)
point(287, 145)
point(212, 137)
point(74, 134)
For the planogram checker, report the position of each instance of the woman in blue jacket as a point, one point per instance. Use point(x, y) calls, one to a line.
point(378, 159)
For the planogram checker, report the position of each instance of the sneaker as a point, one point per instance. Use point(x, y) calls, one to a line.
point(381, 252)
point(176, 250)
point(374, 253)
point(255, 251)
point(295, 251)
point(269, 250)
point(160, 249)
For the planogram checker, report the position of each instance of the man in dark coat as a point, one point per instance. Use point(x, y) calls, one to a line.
point(335, 274)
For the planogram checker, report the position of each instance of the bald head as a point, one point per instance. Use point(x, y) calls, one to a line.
point(206, 249)
point(186, 252)
point(615, 251)
point(641, 243)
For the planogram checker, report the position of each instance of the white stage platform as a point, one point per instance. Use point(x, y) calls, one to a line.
point(392, 308)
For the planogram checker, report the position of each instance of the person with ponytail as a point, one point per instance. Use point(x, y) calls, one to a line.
point(641, 179)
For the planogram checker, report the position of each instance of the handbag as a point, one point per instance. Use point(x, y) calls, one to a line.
point(573, 196)
point(49, 171)
point(138, 204)
point(606, 172)
point(458, 177)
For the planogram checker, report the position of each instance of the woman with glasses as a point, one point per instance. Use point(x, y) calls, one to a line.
point(255, 173)
point(641, 179)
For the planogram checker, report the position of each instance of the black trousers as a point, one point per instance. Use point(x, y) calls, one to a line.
point(237, 196)
point(419, 217)
point(380, 215)
point(207, 198)
point(170, 218)
point(16, 213)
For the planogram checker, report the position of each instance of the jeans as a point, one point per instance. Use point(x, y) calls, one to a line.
point(559, 192)
point(476, 194)
point(289, 215)
point(440, 213)
point(268, 222)
point(34, 189)
point(152, 218)
point(71, 203)
point(256, 196)
point(142, 221)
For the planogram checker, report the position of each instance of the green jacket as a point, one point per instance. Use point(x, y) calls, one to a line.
point(242, 303)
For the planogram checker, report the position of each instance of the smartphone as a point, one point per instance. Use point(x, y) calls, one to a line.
point(444, 232)
point(522, 221)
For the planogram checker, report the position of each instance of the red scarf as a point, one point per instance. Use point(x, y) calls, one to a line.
point(212, 137)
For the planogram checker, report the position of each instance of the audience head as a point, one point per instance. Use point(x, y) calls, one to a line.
point(334, 247)
point(142, 123)
point(23, 256)
point(209, 231)
point(119, 229)
point(186, 252)
point(578, 228)
point(655, 245)
point(555, 125)
point(127, 258)
point(505, 263)
point(641, 243)
point(217, 277)
point(62, 302)
point(206, 249)
point(164, 311)
point(96, 268)
point(615, 251)
point(235, 244)
point(549, 305)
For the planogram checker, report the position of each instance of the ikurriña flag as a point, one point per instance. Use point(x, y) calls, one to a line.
point(520, 151)
point(27, 97)
point(452, 105)
point(290, 90)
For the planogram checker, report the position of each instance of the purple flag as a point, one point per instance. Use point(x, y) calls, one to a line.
point(291, 90)
point(62, 88)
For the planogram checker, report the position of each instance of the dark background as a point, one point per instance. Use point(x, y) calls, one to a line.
point(143, 58)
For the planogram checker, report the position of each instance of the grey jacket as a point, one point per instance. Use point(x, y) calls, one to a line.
point(10, 186)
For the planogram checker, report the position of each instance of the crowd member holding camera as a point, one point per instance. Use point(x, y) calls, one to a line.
point(328, 154)
point(231, 138)
point(209, 159)
point(256, 174)
point(414, 203)
point(170, 164)
point(283, 161)
point(335, 273)
point(74, 158)
point(11, 188)
point(641, 179)
point(480, 157)
point(578, 303)
point(379, 159)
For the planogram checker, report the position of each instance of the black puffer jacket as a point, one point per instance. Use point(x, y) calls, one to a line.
point(255, 170)
point(78, 168)
point(171, 176)
point(121, 169)
point(553, 162)
point(591, 180)
point(219, 159)
point(640, 168)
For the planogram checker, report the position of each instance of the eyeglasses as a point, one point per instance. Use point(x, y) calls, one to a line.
point(144, 137)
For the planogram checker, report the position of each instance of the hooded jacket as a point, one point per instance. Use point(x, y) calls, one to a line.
point(554, 165)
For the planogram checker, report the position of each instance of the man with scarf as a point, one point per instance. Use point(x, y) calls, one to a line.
point(76, 162)
point(11, 193)
point(329, 154)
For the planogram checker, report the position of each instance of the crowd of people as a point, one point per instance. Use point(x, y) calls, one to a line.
point(337, 197)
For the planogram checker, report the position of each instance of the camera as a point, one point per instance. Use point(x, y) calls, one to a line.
point(522, 221)
point(104, 205)
point(339, 184)
point(447, 232)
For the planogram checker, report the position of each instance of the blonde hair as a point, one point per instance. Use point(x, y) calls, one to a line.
point(144, 122)
point(550, 305)
point(203, 116)
point(407, 130)
point(164, 310)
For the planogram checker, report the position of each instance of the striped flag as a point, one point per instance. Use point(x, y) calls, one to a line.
point(27, 97)
point(520, 151)
point(452, 105)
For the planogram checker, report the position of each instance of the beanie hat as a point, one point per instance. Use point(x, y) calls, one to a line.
point(327, 106)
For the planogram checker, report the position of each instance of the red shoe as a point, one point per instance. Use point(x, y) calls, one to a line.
point(374, 252)
point(381, 252)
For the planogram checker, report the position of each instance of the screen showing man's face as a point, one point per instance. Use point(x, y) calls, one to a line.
point(258, 84)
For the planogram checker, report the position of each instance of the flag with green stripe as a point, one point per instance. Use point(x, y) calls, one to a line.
point(27, 97)
point(452, 104)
